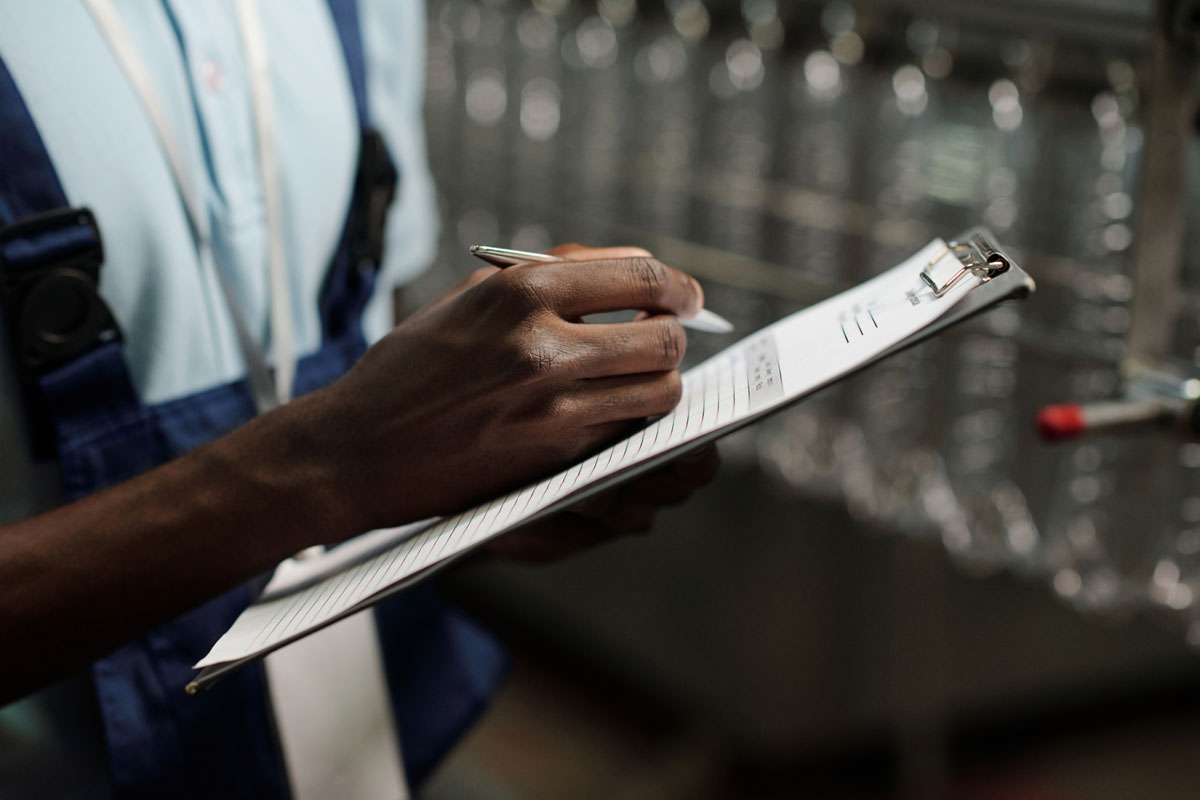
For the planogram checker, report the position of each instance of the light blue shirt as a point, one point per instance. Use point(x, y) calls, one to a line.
point(179, 334)
point(178, 331)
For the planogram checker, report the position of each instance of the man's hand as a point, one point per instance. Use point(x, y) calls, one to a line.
point(489, 388)
point(567, 252)
point(476, 394)
point(626, 509)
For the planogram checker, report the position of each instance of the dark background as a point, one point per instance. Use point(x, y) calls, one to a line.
point(894, 589)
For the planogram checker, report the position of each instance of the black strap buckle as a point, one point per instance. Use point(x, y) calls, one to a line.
point(53, 306)
point(374, 190)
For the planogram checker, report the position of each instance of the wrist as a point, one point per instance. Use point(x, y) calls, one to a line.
point(287, 479)
point(327, 459)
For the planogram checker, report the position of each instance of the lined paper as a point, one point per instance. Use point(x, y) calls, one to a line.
point(774, 366)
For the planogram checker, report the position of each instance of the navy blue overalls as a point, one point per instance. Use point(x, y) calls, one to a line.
point(163, 743)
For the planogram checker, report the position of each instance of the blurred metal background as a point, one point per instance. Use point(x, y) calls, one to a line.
point(781, 151)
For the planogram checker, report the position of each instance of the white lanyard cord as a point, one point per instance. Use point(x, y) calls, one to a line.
point(254, 42)
point(267, 391)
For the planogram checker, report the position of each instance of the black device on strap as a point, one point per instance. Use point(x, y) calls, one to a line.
point(53, 308)
point(374, 190)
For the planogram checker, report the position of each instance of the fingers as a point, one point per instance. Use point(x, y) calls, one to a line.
point(656, 344)
point(625, 397)
point(573, 289)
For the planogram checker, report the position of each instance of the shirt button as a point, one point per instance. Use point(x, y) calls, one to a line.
point(213, 75)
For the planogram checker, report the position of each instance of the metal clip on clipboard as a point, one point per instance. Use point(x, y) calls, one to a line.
point(977, 254)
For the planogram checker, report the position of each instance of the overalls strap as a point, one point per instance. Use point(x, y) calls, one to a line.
point(81, 402)
point(349, 30)
point(350, 281)
point(50, 258)
point(29, 185)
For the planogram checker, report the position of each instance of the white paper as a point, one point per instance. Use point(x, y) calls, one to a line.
point(767, 369)
point(299, 573)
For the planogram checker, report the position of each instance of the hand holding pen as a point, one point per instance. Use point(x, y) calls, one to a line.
point(502, 257)
point(497, 383)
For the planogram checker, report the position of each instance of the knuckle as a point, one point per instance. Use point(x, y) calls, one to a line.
point(523, 288)
point(672, 341)
point(536, 355)
point(536, 362)
point(559, 406)
point(649, 275)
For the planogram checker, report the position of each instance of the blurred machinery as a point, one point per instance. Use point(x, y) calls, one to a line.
point(782, 151)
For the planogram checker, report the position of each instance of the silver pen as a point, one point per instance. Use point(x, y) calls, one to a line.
point(704, 320)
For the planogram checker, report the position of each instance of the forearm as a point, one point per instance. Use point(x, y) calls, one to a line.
point(476, 394)
point(80, 580)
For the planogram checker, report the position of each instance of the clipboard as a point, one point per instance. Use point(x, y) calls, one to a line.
point(943, 284)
